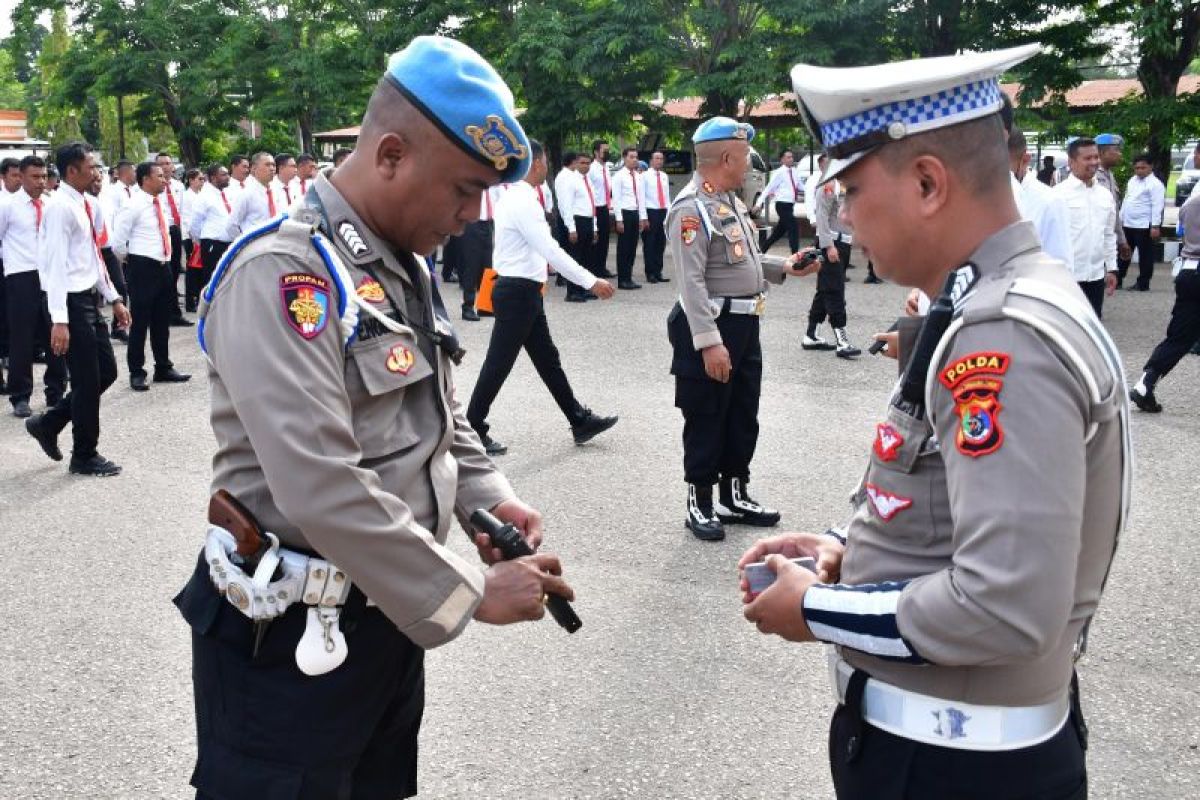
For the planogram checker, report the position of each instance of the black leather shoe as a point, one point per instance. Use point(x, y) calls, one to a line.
point(662, 279)
point(49, 442)
point(120, 335)
point(589, 425)
point(138, 383)
point(451, 278)
point(736, 506)
point(628, 285)
point(576, 298)
point(1138, 287)
point(491, 446)
point(469, 314)
point(178, 322)
point(97, 466)
point(606, 274)
point(701, 520)
point(171, 375)
point(21, 409)
point(1146, 402)
point(872, 279)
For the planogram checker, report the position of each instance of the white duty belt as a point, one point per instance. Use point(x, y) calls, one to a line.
point(845, 238)
point(752, 306)
point(317, 583)
point(949, 723)
point(1181, 264)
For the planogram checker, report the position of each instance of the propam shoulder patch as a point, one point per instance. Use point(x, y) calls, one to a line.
point(305, 301)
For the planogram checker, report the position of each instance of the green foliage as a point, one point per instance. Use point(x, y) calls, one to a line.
point(12, 91)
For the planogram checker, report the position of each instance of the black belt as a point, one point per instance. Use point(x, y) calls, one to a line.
point(527, 282)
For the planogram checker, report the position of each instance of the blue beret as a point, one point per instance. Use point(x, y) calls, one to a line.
point(719, 129)
point(466, 98)
point(643, 165)
point(1110, 138)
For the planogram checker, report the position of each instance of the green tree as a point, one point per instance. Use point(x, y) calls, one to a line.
point(12, 91)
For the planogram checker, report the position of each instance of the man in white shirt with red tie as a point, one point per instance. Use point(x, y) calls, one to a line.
point(786, 188)
point(578, 213)
point(524, 245)
point(76, 282)
point(601, 186)
point(656, 187)
point(142, 237)
point(21, 215)
point(172, 198)
point(306, 173)
point(257, 204)
point(210, 226)
point(629, 209)
point(285, 180)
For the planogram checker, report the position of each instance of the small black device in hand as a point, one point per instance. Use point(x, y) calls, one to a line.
point(508, 540)
point(877, 346)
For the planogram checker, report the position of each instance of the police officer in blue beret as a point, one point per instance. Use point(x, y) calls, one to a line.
point(714, 330)
point(344, 456)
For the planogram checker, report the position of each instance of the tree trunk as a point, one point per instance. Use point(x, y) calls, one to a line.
point(120, 127)
point(1160, 66)
point(305, 123)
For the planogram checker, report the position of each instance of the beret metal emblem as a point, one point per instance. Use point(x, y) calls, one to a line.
point(897, 130)
point(496, 142)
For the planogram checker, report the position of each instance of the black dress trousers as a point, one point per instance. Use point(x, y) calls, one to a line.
point(29, 327)
point(93, 369)
point(1184, 329)
point(152, 300)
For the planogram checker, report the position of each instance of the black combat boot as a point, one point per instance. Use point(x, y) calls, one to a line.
point(701, 520)
point(737, 506)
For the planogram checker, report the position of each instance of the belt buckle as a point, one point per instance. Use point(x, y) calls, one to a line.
point(760, 305)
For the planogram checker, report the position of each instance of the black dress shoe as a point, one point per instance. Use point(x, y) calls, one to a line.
point(606, 274)
point(590, 425)
point(171, 375)
point(872, 279)
point(35, 427)
point(451, 278)
point(179, 322)
point(52, 400)
point(121, 335)
point(1146, 402)
point(97, 466)
point(21, 409)
point(491, 446)
point(138, 383)
point(662, 279)
point(628, 285)
point(1139, 287)
point(576, 297)
point(469, 314)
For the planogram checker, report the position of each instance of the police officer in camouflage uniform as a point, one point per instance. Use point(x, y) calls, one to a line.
point(337, 427)
point(958, 596)
point(713, 330)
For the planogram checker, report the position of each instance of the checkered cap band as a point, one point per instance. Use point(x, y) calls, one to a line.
point(916, 114)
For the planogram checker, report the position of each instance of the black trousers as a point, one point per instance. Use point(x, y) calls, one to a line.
point(29, 327)
point(785, 226)
point(720, 420)
point(151, 300)
point(1184, 329)
point(474, 255)
point(1094, 292)
point(211, 251)
point(654, 242)
point(583, 251)
point(600, 248)
point(520, 323)
point(627, 243)
point(93, 370)
point(264, 729)
point(176, 269)
point(1141, 243)
point(830, 300)
point(3, 320)
point(872, 764)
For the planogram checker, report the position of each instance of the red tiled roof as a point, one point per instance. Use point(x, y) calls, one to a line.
point(1091, 94)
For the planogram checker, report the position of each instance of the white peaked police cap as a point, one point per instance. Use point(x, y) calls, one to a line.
point(851, 111)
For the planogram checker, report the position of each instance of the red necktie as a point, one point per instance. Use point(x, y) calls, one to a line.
point(541, 198)
point(127, 192)
point(633, 182)
point(607, 188)
point(37, 207)
point(662, 197)
point(288, 194)
point(487, 199)
point(795, 191)
point(171, 203)
point(270, 202)
point(225, 200)
point(87, 207)
point(303, 188)
point(162, 228)
point(591, 197)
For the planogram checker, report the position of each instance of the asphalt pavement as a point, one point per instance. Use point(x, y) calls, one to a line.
point(666, 692)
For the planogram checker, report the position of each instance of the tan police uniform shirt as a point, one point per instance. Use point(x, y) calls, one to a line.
point(360, 453)
point(715, 247)
point(1002, 508)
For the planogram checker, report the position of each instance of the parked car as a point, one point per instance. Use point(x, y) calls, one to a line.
point(1185, 183)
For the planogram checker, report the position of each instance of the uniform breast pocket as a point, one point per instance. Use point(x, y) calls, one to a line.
point(905, 486)
point(729, 232)
point(379, 375)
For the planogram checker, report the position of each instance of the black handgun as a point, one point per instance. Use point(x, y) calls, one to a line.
point(508, 540)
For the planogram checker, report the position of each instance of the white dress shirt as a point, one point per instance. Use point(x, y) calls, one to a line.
point(254, 206)
point(289, 194)
point(627, 192)
point(524, 243)
point(1093, 238)
point(69, 258)
point(20, 221)
point(1038, 203)
point(601, 184)
point(112, 197)
point(488, 200)
point(784, 185)
point(299, 187)
point(810, 195)
point(1145, 199)
point(142, 228)
point(654, 181)
point(571, 186)
point(210, 214)
point(189, 204)
point(545, 196)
